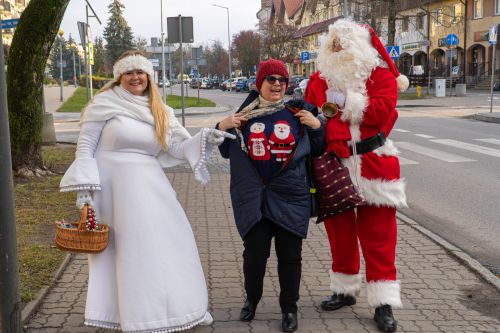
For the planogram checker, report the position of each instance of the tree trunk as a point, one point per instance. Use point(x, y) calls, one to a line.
point(391, 22)
point(29, 52)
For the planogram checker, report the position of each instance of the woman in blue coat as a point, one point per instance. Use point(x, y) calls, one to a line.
point(270, 184)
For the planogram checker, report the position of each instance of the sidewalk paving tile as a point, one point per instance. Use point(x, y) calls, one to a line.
point(439, 293)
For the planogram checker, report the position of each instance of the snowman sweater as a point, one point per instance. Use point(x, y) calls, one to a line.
point(271, 141)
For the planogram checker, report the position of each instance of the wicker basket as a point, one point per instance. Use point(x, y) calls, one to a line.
point(80, 240)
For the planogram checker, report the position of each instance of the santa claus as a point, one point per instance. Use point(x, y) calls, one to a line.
point(357, 74)
point(282, 141)
point(258, 146)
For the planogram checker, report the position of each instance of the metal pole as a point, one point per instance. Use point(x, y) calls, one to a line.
point(10, 301)
point(162, 54)
point(170, 69)
point(229, 43)
point(182, 70)
point(492, 75)
point(345, 11)
point(61, 67)
point(451, 64)
point(74, 68)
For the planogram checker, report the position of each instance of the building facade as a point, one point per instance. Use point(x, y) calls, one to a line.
point(11, 9)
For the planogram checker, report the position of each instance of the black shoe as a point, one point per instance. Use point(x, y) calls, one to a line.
point(384, 319)
point(247, 311)
point(336, 301)
point(289, 322)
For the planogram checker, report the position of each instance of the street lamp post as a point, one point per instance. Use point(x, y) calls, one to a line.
point(228, 37)
point(73, 46)
point(162, 54)
point(61, 33)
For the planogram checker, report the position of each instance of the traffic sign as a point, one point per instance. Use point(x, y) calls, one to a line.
point(11, 23)
point(393, 51)
point(155, 62)
point(304, 56)
point(451, 40)
point(492, 36)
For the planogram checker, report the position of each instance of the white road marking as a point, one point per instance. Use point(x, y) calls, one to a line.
point(434, 153)
point(401, 130)
point(470, 147)
point(492, 141)
point(425, 136)
point(405, 161)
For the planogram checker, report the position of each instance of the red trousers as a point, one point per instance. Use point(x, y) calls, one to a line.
point(376, 229)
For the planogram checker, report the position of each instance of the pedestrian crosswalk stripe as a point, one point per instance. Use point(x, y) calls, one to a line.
point(425, 136)
point(434, 153)
point(405, 161)
point(401, 130)
point(469, 147)
point(493, 141)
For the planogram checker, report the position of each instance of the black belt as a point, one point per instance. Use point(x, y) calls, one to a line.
point(369, 144)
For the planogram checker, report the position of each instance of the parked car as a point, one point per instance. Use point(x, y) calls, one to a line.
point(185, 78)
point(214, 83)
point(251, 84)
point(298, 93)
point(167, 83)
point(293, 83)
point(195, 83)
point(204, 84)
point(241, 85)
point(224, 85)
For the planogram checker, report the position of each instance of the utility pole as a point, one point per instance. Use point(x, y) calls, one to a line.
point(162, 54)
point(10, 301)
point(88, 66)
point(345, 10)
point(182, 70)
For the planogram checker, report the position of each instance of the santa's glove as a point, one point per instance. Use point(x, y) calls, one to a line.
point(82, 198)
point(335, 97)
point(217, 137)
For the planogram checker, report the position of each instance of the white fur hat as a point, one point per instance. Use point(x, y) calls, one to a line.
point(131, 62)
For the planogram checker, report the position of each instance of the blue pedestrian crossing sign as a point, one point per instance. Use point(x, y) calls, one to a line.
point(451, 40)
point(393, 51)
point(304, 56)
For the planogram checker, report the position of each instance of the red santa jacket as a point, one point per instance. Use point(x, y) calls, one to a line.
point(377, 173)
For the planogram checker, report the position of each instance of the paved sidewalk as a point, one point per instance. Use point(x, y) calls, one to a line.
point(440, 293)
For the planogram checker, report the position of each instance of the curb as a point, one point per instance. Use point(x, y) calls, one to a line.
point(459, 254)
point(486, 117)
point(33, 305)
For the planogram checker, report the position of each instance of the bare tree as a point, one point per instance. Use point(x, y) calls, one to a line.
point(278, 42)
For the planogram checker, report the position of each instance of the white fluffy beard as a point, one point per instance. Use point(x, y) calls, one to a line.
point(348, 69)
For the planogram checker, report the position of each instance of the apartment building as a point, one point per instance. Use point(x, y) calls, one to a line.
point(10, 9)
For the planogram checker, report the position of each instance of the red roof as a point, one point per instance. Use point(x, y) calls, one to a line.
point(292, 6)
point(314, 28)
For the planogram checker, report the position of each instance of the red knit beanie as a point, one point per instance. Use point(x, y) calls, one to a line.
point(270, 67)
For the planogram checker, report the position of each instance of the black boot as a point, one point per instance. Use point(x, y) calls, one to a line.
point(248, 311)
point(336, 301)
point(289, 322)
point(384, 319)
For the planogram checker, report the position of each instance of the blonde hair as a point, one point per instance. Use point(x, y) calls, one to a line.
point(155, 103)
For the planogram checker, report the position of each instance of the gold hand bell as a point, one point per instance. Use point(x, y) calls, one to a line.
point(329, 109)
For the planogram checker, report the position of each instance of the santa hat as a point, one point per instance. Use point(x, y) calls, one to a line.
point(401, 79)
point(282, 122)
point(130, 63)
point(270, 67)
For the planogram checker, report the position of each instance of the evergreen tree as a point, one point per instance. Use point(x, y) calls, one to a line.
point(100, 68)
point(54, 59)
point(118, 34)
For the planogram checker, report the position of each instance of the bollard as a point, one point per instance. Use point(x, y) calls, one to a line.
point(419, 91)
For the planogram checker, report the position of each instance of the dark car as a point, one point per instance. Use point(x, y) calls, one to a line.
point(241, 85)
point(214, 83)
point(293, 83)
point(251, 84)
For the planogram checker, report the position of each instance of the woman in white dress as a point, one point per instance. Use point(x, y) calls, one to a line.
point(149, 278)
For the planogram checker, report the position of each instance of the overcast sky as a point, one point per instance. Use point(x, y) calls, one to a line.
point(144, 17)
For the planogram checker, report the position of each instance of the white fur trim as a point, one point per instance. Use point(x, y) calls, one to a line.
point(346, 284)
point(388, 149)
point(384, 192)
point(384, 292)
point(403, 82)
point(130, 63)
point(376, 192)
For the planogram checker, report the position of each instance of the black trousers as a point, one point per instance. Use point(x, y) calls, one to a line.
point(288, 248)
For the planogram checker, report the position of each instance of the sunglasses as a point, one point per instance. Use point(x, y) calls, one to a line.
point(282, 80)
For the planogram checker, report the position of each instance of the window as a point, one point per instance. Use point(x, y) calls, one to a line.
point(438, 18)
point(497, 7)
point(478, 9)
point(406, 21)
point(420, 21)
point(456, 13)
